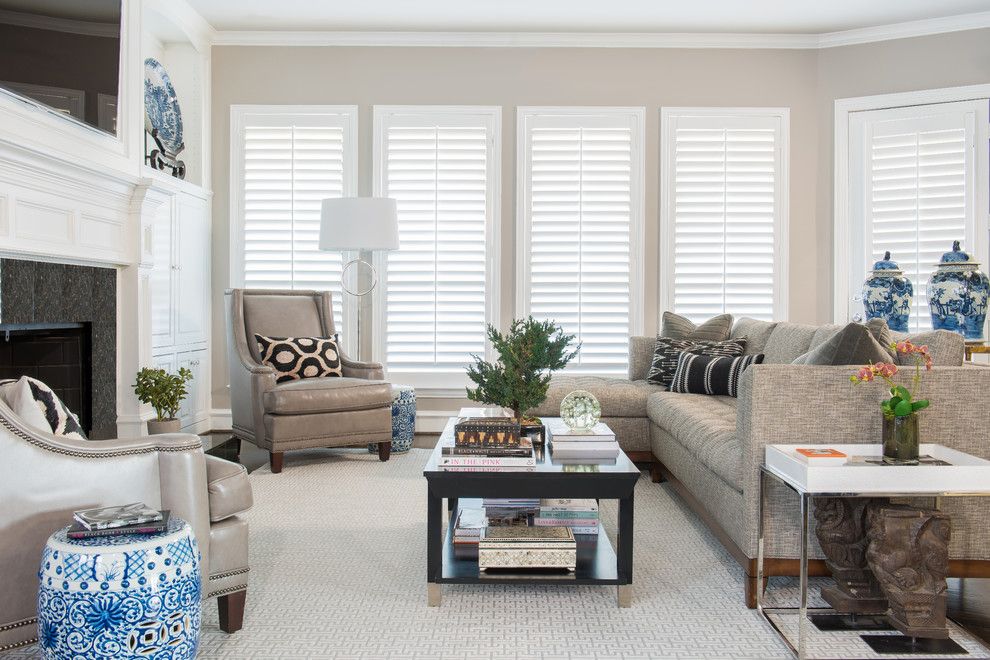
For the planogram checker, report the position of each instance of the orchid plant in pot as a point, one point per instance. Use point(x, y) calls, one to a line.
point(900, 411)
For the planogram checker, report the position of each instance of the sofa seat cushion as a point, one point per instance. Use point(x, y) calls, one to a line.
point(228, 487)
point(705, 426)
point(618, 397)
point(321, 395)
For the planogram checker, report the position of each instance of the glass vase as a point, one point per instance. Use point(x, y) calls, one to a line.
point(900, 440)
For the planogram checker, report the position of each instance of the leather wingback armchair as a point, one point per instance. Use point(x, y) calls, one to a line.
point(300, 414)
point(44, 478)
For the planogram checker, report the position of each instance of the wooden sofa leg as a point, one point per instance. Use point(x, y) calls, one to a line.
point(656, 475)
point(231, 607)
point(384, 450)
point(276, 458)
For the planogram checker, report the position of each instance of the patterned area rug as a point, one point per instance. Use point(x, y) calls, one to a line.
point(338, 563)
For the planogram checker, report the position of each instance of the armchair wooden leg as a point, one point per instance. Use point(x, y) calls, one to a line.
point(655, 474)
point(231, 609)
point(276, 458)
point(384, 450)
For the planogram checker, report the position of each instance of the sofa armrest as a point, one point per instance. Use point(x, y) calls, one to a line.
point(365, 370)
point(229, 488)
point(802, 404)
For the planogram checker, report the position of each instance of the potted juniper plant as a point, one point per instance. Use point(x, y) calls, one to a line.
point(164, 392)
point(900, 411)
point(527, 354)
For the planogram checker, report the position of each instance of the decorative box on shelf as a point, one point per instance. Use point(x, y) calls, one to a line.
point(527, 547)
point(487, 432)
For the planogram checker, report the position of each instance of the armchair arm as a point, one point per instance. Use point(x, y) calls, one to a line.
point(365, 370)
point(800, 404)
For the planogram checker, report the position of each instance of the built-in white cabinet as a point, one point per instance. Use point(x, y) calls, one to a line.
point(179, 284)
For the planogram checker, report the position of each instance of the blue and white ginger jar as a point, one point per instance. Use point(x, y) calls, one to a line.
point(957, 295)
point(887, 294)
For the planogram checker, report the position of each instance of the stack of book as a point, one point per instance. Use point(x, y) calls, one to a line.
point(134, 518)
point(595, 445)
point(470, 526)
point(485, 444)
point(581, 515)
point(506, 511)
point(527, 547)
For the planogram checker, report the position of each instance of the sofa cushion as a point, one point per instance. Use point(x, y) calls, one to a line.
point(618, 397)
point(853, 344)
point(228, 487)
point(756, 333)
point(946, 348)
point(668, 351)
point(788, 341)
point(676, 326)
point(640, 356)
point(709, 374)
point(319, 395)
point(703, 425)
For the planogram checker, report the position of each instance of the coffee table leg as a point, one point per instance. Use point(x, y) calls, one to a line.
point(434, 540)
point(624, 551)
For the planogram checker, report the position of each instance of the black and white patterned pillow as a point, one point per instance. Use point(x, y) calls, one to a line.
point(38, 406)
point(667, 350)
point(709, 374)
point(295, 358)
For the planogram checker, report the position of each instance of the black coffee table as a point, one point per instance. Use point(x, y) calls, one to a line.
point(597, 562)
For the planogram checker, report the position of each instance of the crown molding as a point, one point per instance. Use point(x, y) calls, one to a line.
point(905, 30)
point(600, 39)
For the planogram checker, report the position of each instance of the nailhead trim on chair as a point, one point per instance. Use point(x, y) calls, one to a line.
point(228, 590)
point(220, 576)
point(11, 626)
point(81, 454)
point(8, 647)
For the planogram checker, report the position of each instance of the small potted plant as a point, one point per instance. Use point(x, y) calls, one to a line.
point(900, 411)
point(164, 392)
point(527, 354)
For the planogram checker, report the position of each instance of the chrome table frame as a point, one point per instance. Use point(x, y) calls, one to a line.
point(806, 498)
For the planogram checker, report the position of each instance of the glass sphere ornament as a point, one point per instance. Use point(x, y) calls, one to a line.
point(580, 410)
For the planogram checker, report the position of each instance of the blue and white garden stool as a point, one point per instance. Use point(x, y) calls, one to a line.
point(131, 596)
point(403, 419)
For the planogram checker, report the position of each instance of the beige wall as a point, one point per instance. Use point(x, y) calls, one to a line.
point(804, 81)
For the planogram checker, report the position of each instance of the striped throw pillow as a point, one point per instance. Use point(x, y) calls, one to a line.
point(666, 351)
point(710, 374)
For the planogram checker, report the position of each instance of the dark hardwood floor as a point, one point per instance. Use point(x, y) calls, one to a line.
point(969, 598)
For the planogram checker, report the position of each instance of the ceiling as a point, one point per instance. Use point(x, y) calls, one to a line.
point(665, 16)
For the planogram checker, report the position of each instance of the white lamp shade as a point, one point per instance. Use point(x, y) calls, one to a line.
point(359, 223)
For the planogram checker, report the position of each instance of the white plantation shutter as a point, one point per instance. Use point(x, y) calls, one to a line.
point(290, 161)
point(581, 210)
point(916, 188)
point(724, 214)
point(441, 167)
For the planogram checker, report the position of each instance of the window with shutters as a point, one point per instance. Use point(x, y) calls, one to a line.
point(723, 218)
point(913, 191)
point(439, 291)
point(580, 236)
point(284, 161)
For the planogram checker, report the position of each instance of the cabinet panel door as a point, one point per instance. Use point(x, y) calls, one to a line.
point(161, 282)
point(193, 274)
point(195, 407)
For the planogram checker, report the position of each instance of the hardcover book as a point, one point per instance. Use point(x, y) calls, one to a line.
point(77, 531)
point(117, 516)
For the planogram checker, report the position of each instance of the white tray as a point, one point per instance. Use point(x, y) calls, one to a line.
point(966, 474)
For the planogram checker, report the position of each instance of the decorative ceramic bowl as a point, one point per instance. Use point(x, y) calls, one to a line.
point(580, 410)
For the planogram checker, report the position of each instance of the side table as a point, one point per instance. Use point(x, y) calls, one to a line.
point(963, 476)
point(130, 596)
point(403, 419)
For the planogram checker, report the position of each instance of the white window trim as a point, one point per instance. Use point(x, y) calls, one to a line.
point(637, 231)
point(782, 202)
point(347, 326)
point(841, 210)
point(442, 387)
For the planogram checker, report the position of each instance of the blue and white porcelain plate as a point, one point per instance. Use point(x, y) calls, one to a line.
point(161, 106)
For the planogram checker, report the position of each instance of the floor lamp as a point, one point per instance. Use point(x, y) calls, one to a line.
point(363, 225)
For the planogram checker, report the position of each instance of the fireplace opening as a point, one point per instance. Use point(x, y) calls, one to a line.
point(57, 354)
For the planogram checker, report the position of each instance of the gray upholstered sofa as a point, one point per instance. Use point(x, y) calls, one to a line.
point(710, 448)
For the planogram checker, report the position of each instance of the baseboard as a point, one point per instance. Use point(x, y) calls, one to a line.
point(220, 420)
point(433, 421)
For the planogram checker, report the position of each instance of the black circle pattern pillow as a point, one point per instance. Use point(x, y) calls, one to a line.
point(295, 358)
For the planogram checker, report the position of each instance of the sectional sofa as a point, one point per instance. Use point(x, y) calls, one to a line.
point(710, 448)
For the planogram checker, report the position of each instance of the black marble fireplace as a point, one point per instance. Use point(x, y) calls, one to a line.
point(58, 323)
